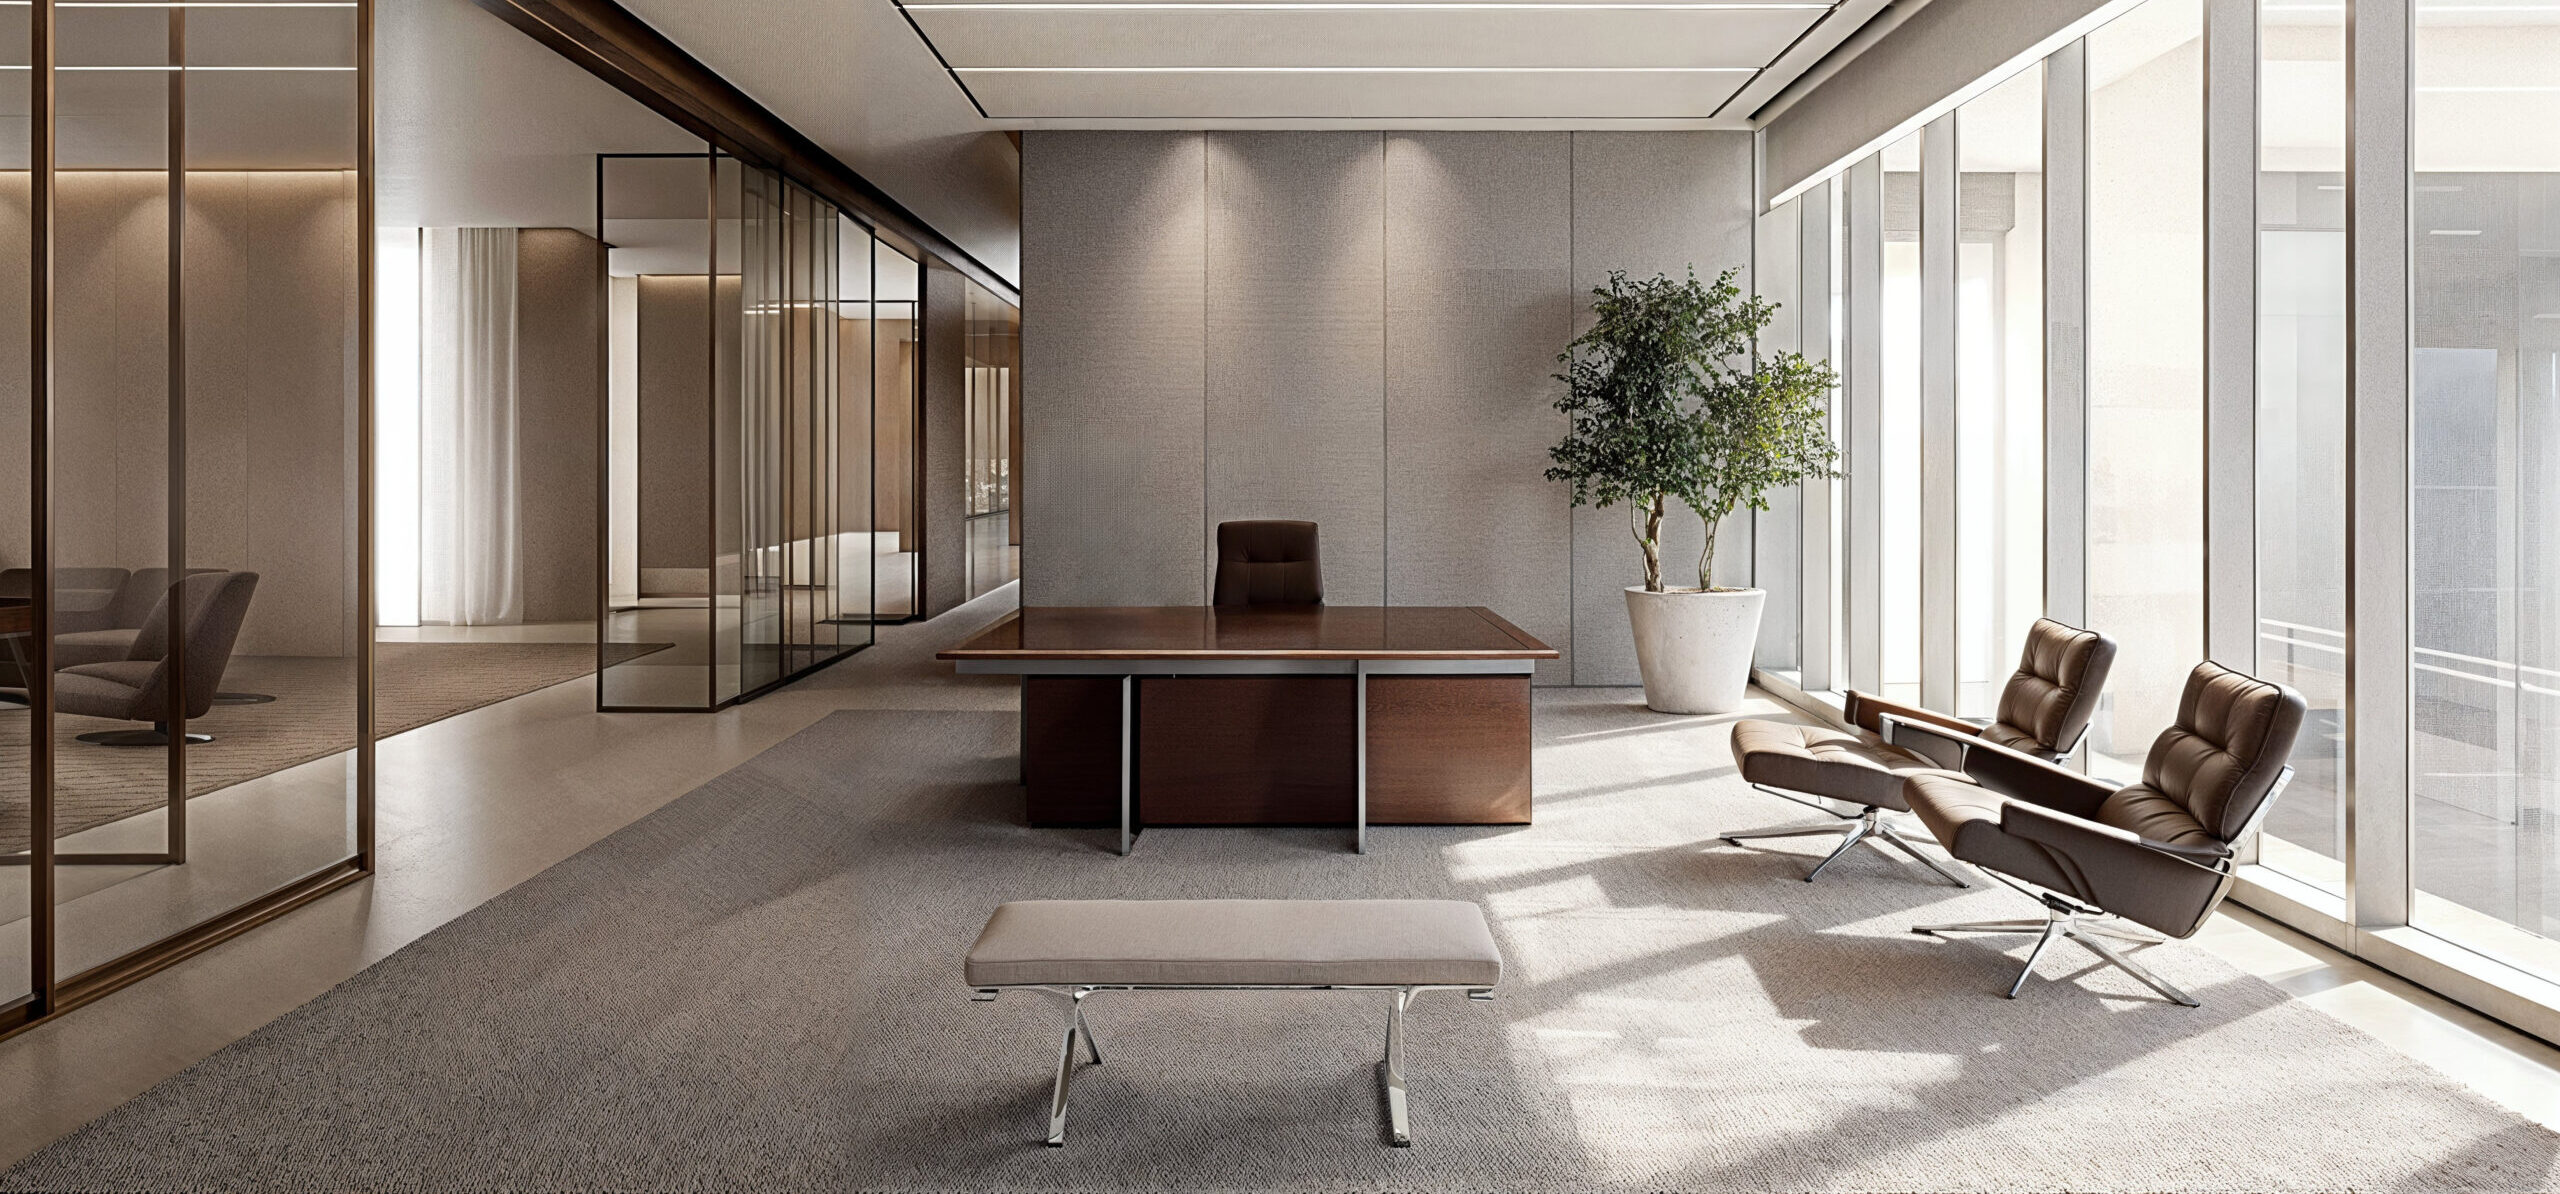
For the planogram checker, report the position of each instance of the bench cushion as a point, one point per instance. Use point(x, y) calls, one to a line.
point(1280, 943)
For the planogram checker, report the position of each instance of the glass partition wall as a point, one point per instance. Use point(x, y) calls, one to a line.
point(740, 465)
point(184, 321)
point(994, 447)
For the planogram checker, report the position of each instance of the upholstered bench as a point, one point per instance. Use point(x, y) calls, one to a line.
point(1075, 948)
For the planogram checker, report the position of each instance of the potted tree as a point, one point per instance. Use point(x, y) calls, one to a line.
point(1667, 397)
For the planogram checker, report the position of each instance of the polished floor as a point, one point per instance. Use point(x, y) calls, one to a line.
point(475, 804)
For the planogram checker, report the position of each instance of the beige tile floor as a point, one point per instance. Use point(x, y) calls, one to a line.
point(457, 830)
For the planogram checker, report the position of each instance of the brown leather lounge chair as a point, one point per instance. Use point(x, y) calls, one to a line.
point(1270, 562)
point(136, 688)
point(2043, 710)
point(2157, 853)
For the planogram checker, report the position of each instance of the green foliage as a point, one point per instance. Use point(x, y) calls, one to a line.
point(1667, 397)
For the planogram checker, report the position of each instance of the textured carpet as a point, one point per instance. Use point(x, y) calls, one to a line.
point(758, 988)
point(313, 716)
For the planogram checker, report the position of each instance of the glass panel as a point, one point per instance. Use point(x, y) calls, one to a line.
point(656, 639)
point(1899, 472)
point(738, 219)
point(1777, 538)
point(2302, 419)
point(762, 428)
point(16, 522)
point(2146, 368)
point(853, 462)
point(995, 337)
point(897, 539)
point(1999, 385)
point(203, 456)
point(2485, 513)
point(1839, 298)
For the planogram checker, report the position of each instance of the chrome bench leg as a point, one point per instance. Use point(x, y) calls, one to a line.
point(1391, 1073)
point(1067, 1066)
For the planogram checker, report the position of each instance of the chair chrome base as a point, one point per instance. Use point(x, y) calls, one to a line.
point(155, 736)
point(2084, 925)
point(1868, 827)
point(1391, 1084)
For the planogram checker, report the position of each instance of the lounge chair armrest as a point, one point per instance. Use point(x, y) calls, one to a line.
point(1866, 711)
point(2021, 776)
point(2084, 839)
point(1928, 740)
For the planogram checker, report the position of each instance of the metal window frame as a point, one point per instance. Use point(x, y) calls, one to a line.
point(50, 994)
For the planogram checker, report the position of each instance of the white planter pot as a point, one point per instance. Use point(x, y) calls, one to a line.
point(1694, 646)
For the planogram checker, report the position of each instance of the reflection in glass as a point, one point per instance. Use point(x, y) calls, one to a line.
point(2146, 368)
point(1777, 535)
point(1898, 538)
point(897, 537)
point(203, 456)
point(2485, 458)
point(2302, 419)
point(993, 449)
point(1999, 385)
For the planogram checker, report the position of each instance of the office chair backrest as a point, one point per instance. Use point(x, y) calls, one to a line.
point(1268, 562)
point(217, 603)
point(2232, 739)
point(2049, 700)
point(142, 593)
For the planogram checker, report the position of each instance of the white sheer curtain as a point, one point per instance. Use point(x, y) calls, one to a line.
point(471, 556)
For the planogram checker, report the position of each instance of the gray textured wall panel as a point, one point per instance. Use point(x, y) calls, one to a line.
point(1113, 346)
point(1478, 261)
point(1648, 203)
point(1296, 351)
point(558, 321)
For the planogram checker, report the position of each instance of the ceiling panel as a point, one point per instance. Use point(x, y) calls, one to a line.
point(1145, 35)
point(1381, 63)
point(1370, 95)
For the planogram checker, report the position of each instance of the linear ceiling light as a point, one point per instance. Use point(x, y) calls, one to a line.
point(1355, 6)
point(189, 69)
point(1356, 70)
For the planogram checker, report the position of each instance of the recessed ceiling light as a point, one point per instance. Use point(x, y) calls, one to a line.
point(1355, 70)
point(2453, 232)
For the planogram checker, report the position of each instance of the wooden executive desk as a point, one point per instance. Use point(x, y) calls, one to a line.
point(1267, 715)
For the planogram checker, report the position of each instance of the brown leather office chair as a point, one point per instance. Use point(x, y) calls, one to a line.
point(137, 687)
point(1268, 562)
point(2157, 853)
point(2043, 710)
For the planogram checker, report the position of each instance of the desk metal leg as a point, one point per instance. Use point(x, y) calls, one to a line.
point(1128, 732)
point(1360, 752)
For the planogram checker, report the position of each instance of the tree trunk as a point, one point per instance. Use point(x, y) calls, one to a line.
point(1707, 559)
point(1650, 539)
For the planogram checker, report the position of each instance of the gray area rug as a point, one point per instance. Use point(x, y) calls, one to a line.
point(313, 716)
point(758, 988)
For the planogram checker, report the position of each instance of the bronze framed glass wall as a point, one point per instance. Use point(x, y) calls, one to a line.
point(185, 227)
point(737, 435)
point(994, 451)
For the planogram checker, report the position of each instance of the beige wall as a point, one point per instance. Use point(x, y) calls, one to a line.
point(558, 322)
point(271, 386)
point(676, 476)
point(1358, 328)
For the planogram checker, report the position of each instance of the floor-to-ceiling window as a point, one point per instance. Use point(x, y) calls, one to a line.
point(2146, 367)
point(1999, 452)
point(1899, 465)
point(2302, 416)
point(2484, 761)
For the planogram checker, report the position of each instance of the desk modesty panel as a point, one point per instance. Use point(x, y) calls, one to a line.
point(1268, 715)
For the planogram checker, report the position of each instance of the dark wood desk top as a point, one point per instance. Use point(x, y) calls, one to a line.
point(1251, 632)
point(17, 616)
